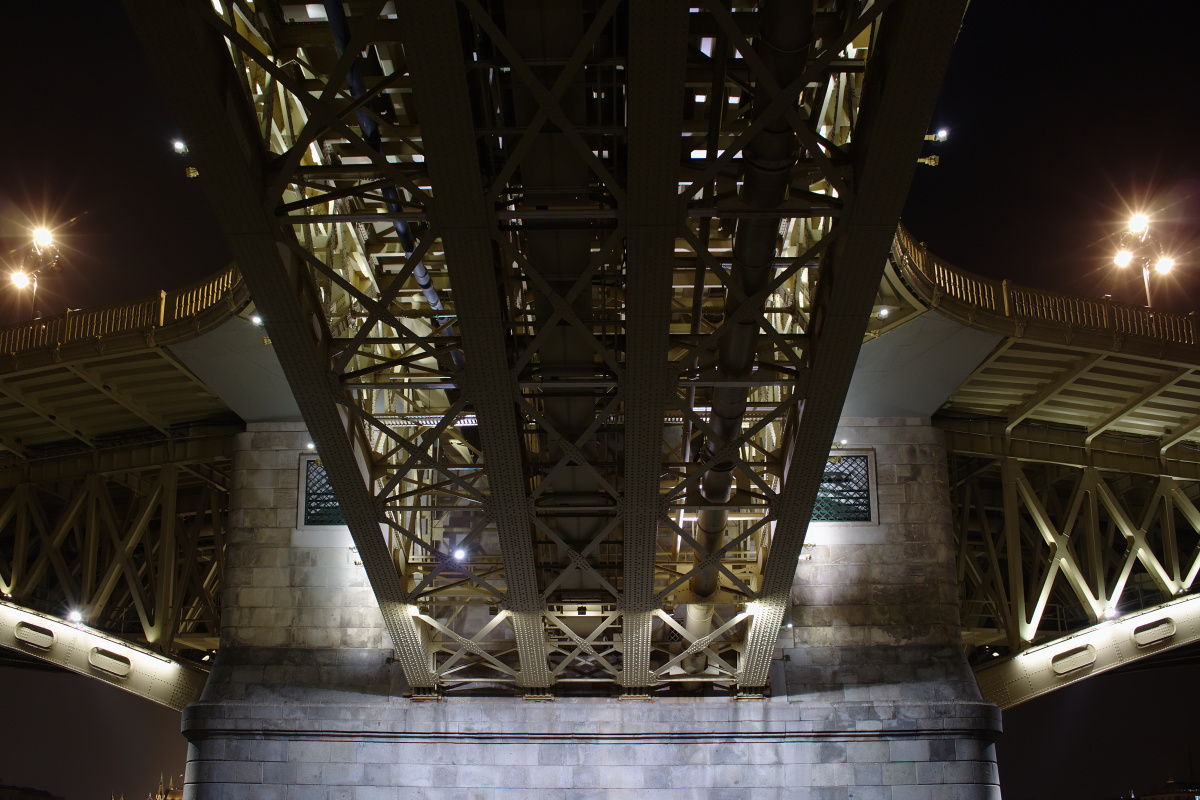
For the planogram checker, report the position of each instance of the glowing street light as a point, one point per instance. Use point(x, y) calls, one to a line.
point(460, 554)
point(43, 255)
point(1140, 246)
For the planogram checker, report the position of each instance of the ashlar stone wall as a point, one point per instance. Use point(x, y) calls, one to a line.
point(870, 698)
point(297, 609)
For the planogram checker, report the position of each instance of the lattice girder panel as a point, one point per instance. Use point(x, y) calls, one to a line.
point(1047, 549)
point(520, 263)
point(135, 553)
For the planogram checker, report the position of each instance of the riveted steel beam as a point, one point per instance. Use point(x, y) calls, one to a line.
point(199, 82)
point(1099, 648)
point(1136, 403)
point(95, 654)
point(1030, 407)
point(986, 439)
point(440, 91)
point(657, 58)
point(913, 49)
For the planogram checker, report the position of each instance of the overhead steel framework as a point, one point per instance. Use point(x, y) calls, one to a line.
point(1074, 472)
point(551, 283)
point(113, 490)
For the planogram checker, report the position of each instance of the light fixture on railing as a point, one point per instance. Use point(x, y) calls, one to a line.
point(1139, 246)
point(42, 256)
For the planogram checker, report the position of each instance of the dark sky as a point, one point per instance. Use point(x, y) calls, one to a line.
point(81, 739)
point(87, 136)
point(1064, 117)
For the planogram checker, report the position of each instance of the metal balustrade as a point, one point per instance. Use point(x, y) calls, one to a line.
point(1022, 303)
point(155, 311)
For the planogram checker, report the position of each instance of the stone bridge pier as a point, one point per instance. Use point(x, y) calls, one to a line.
point(870, 695)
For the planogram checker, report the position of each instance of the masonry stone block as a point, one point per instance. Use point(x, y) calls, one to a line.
point(871, 698)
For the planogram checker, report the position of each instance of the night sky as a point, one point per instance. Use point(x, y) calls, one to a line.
point(1064, 117)
point(86, 136)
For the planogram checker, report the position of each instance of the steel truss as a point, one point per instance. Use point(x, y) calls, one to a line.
point(1047, 550)
point(495, 261)
point(128, 543)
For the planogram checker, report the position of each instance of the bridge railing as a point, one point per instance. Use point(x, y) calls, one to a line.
point(1022, 303)
point(143, 313)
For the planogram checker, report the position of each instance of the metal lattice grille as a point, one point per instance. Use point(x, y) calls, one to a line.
point(845, 491)
point(320, 503)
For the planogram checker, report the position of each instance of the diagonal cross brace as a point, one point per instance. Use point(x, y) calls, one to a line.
point(192, 63)
point(440, 92)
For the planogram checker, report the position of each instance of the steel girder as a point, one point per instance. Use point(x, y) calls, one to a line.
point(492, 253)
point(657, 48)
point(1067, 571)
point(916, 41)
point(96, 654)
point(1099, 648)
point(209, 98)
point(1047, 550)
point(135, 550)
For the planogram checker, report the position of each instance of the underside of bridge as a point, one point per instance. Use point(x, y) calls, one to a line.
point(588, 493)
point(616, 470)
point(497, 246)
point(570, 296)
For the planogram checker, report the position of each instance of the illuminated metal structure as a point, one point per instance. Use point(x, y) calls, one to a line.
point(114, 483)
point(496, 246)
point(1075, 478)
point(570, 304)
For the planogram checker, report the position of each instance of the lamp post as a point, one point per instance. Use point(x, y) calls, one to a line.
point(43, 256)
point(1141, 247)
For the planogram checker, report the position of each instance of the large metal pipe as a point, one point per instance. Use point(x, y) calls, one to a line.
point(370, 132)
point(768, 160)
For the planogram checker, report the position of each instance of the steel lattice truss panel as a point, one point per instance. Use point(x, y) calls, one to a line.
point(500, 260)
point(1047, 550)
point(129, 543)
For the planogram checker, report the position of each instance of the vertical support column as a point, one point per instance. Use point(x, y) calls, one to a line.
point(1010, 475)
point(461, 213)
point(165, 586)
point(294, 597)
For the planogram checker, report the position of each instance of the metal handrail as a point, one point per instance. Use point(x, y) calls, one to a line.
point(1026, 304)
point(155, 311)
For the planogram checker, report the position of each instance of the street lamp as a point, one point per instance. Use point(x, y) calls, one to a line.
point(43, 256)
point(1139, 246)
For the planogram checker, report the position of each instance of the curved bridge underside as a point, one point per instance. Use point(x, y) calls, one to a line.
point(549, 283)
point(542, 373)
point(114, 488)
point(1074, 466)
